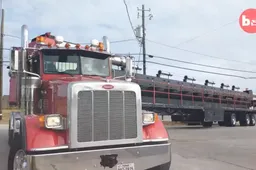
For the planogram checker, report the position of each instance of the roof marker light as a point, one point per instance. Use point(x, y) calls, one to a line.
point(49, 45)
point(87, 47)
point(95, 43)
point(40, 39)
point(48, 34)
point(101, 46)
point(59, 39)
point(78, 46)
point(67, 45)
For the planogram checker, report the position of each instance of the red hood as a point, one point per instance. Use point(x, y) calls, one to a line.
point(66, 80)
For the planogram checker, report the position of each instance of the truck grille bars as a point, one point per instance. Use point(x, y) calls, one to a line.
point(106, 115)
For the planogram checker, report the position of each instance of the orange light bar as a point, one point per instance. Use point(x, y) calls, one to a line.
point(67, 45)
point(87, 47)
point(101, 46)
point(78, 46)
point(40, 39)
point(49, 45)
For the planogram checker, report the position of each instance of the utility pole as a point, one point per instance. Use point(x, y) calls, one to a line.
point(1, 60)
point(144, 34)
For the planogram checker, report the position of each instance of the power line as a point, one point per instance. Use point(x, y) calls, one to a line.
point(13, 36)
point(204, 65)
point(119, 41)
point(202, 54)
point(128, 14)
point(205, 33)
point(202, 71)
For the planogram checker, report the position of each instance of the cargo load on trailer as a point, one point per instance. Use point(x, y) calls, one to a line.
point(194, 104)
point(75, 115)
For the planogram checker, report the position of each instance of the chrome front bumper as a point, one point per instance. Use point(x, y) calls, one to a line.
point(143, 157)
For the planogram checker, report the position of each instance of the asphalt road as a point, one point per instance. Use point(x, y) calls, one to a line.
point(196, 148)
point(225, 148)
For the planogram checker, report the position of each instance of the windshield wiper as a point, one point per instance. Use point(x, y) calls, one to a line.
point(93, 75)
point(66, 73)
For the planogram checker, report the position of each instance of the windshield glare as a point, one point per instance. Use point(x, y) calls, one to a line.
point(77, 62)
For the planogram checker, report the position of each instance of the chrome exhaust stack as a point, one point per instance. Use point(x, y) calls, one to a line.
point(26, 84)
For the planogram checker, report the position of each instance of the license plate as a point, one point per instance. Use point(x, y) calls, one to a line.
point(129, 166)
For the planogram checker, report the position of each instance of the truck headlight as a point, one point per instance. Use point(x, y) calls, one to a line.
point(148, 118)
point(54, 121)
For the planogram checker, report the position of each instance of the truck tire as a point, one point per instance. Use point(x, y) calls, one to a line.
point(193, 124)
point(245, 120)
point(221, 123)
point(252, 120)
point(232, 120)
point(207, 124)
point(10, 135)
point(15, 150)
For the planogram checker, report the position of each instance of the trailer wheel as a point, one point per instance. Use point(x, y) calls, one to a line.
point(221, 123)
point(232, 121)
point(207, 124)
point(252, 120)
point(245, 120)
point(193, 124)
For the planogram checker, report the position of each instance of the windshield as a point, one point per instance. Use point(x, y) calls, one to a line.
point(75, 62)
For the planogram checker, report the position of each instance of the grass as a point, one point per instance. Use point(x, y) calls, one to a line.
point(6, 113)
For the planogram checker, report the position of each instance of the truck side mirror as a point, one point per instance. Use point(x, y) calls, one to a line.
point(14, 60)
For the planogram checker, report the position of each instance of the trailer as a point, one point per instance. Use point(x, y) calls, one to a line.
point(195, 104)
point(74, 115)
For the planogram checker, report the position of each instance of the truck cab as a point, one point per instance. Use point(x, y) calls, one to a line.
point(74, 115)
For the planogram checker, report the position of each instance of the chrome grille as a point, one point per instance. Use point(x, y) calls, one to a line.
point(106, 115)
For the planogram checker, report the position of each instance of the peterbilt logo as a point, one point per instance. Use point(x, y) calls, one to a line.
point(107, 86)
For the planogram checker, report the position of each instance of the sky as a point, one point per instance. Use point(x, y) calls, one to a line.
point(207, 27)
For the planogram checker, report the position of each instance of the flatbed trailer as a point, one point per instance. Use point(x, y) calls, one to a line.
point(194, 103)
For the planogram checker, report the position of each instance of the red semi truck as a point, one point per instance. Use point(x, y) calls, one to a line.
point(74, 115)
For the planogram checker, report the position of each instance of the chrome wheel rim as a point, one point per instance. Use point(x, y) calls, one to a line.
point(253, 120)
point(247, 119)
point(233, 121)
point(20, 162)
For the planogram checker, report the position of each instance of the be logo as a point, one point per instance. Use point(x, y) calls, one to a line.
point(247, 20)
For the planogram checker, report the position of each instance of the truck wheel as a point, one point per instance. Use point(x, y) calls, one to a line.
point(245, 120)
point(10, 135)
point(252, 120)
point(17, 160)
point(17, 156)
